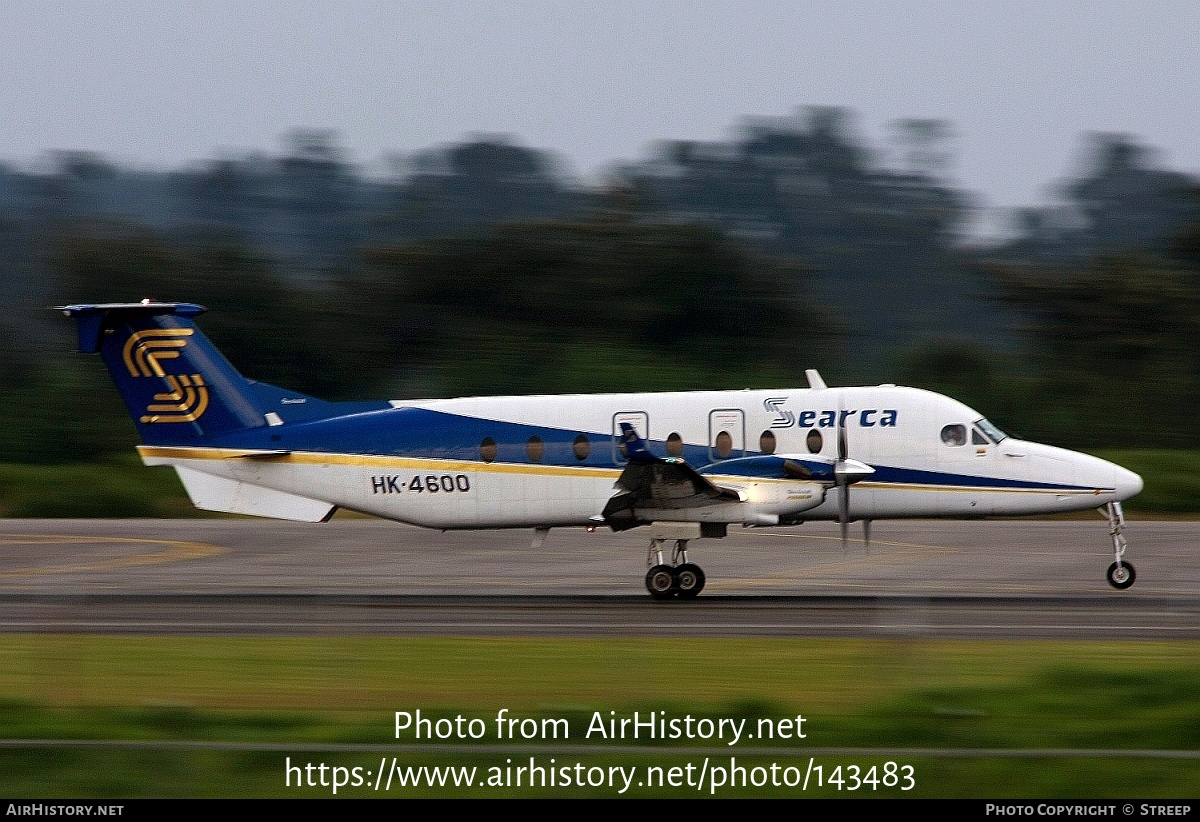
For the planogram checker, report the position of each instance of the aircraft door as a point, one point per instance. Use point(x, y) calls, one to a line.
point(640, 421)
point(726, 434)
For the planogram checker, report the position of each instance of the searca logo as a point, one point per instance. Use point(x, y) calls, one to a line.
point(864, 418)
point(186, 397)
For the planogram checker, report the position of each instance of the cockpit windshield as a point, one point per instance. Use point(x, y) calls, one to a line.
point(993, 433)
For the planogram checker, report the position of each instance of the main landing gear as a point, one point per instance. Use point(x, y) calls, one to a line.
point(681, 579)
point(1120, 574)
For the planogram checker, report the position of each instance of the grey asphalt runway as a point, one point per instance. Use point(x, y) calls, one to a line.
point(929, 578)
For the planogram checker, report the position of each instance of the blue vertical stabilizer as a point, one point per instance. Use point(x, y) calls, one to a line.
point(177, 385)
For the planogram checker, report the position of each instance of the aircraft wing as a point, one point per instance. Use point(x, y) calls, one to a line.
point(657, 483)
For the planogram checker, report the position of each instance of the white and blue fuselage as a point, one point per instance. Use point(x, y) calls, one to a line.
point(541, 461)
point(688, 464)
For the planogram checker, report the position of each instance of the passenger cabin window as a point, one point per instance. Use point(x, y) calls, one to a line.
point(535, 449)
point(724, 444)
point(766, 442)
point(674, 445)
point(487, 449)
point(814, 441)
point(954, 435)
point(581, 448)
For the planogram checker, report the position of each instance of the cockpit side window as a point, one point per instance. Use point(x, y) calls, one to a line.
point(954, 434)
point(993, 433)
point(977, 438)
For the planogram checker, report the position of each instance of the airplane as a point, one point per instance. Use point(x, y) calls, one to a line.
point(686, 465)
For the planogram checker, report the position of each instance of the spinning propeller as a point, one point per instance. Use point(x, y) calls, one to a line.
point(846, 472)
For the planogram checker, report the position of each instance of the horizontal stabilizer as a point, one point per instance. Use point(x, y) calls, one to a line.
point(235, 497)
point(93, 317)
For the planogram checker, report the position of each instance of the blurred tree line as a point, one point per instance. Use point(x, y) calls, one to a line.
point(482, 268)
point(1114, 343)
point(603, 303)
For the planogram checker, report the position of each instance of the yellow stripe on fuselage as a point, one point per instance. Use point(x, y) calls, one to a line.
point(374, 460)
point(433, 464)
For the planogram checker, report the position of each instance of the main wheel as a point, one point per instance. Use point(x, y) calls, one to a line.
point(660, 582)
point(1121, 575)
point(689, 580)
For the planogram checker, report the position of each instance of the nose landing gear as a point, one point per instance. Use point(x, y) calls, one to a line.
point(1120, 574)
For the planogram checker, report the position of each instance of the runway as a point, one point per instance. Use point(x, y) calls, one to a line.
point(989, 579)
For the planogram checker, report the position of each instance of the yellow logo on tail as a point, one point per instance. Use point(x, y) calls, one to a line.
point(187, 398)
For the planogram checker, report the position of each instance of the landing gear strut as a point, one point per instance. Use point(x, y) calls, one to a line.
point(680, 579)
point(1120, 574)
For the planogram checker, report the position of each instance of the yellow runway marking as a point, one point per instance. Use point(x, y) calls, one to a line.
point(175, 551)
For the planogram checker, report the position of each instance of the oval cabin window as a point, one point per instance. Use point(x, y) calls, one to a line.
point(581, 448)
point(488, 449)
point(674, 445)
point(535, 449)
point(766, 443)
point(724, 444)
point(814, 441)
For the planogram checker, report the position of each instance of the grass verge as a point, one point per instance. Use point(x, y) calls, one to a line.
point(119, 488)
point(1123, 702)
point(1172, 479)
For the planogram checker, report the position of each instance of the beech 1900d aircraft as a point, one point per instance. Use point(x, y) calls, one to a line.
point(687, 465)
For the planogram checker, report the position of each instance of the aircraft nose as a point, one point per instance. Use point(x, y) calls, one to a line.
point(1127, 483)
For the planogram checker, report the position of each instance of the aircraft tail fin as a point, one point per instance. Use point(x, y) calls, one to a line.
point(177, 385)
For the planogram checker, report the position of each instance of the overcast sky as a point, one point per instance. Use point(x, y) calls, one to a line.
point(167, 84)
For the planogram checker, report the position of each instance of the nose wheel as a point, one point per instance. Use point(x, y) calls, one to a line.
point(1120, 574)
point(679, 580)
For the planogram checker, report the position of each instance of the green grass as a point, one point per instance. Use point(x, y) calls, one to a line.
point(302, 693)
point(120, 488)
point(1172, 479)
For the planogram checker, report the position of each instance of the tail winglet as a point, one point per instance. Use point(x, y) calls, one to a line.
point(92, 317)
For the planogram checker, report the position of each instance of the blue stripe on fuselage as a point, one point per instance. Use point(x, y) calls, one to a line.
point(424, 433)
point(914, 476)
point(420, 432)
